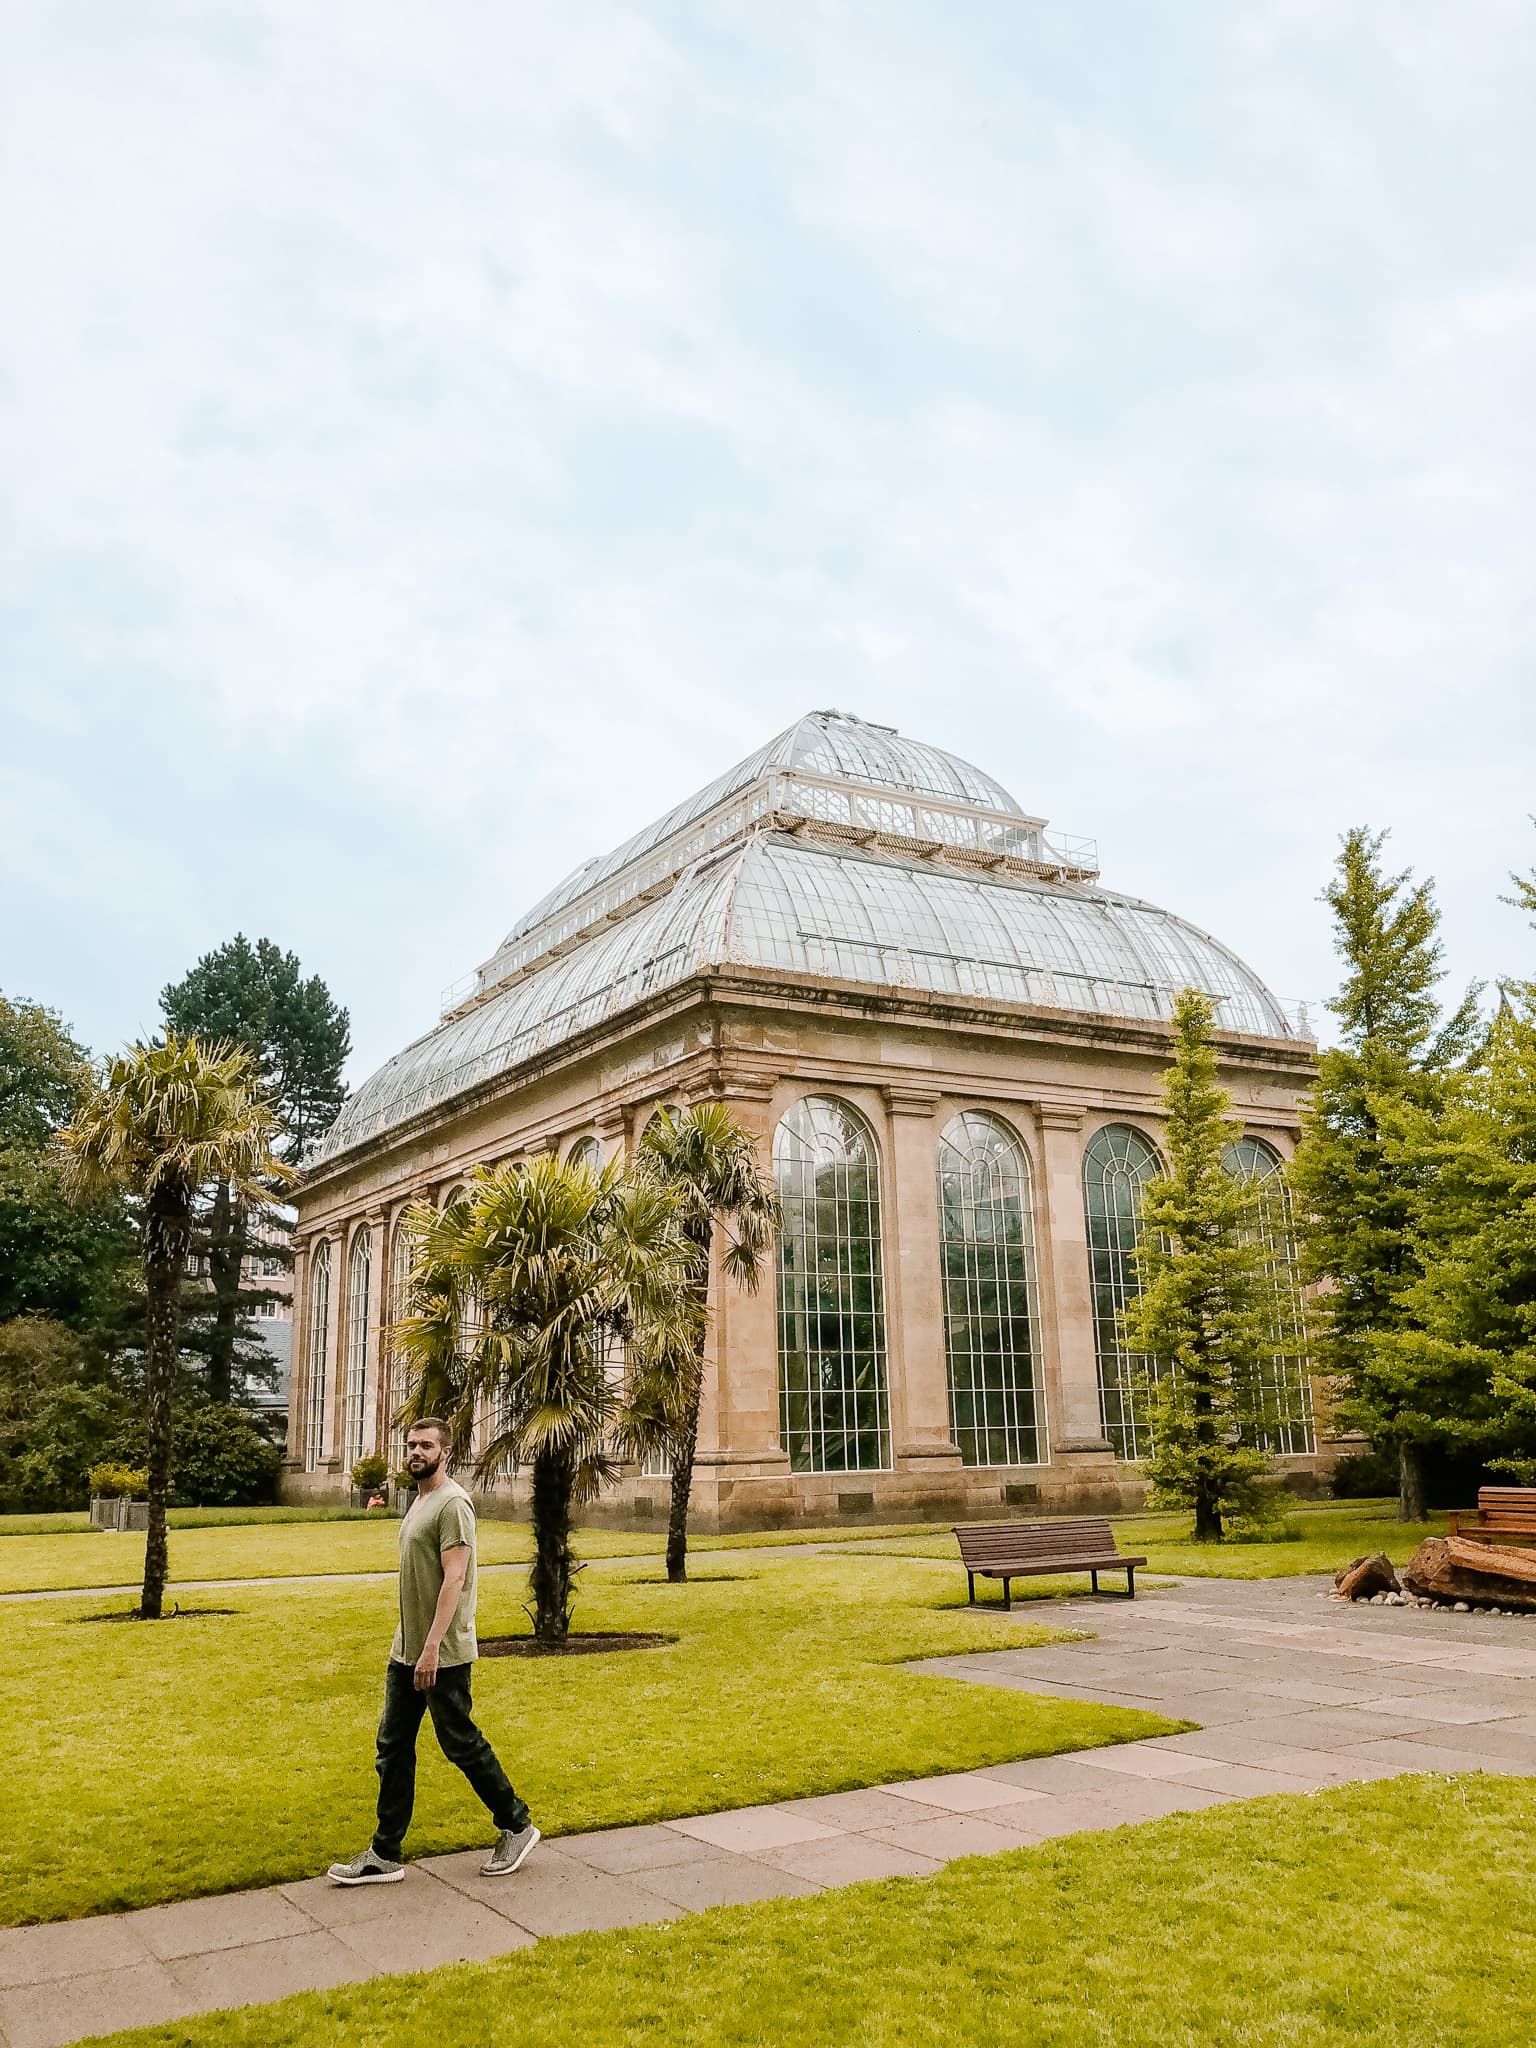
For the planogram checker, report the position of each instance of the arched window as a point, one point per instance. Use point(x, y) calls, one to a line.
point(1117, 1165)
point(834, 1408)
point(990, 1312)
point(586, 1152)
point(319, 1342)
point(1282, 1423)
point(399, 1304)
point(359, 1275)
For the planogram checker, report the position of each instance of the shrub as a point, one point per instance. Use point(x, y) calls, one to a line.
point(220, 1459)
point(369, 1474)
point(1370, 1476)
point(117, 1482)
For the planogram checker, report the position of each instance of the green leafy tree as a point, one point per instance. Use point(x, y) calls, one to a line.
point(517, 1294)
point(255, 996)
point(57, 1262)
point(710, 1165)
point(1357, 1185)
point(56, 1415)
point(167, 1122)
point(1204, 1312)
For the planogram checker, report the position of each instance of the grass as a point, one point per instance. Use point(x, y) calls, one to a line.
point(1397, 1915)
point(231, 1543)
point(151, 1762)
point(73, 1522)
point(1330, 1535)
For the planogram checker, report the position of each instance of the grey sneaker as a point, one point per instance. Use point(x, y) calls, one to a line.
point(511, 1851)
point(366, 1869)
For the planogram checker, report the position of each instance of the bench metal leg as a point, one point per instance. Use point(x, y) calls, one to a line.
point(1130, 1582)
point(1007, 1596)
point(970, 1589)
point(1095, 1579)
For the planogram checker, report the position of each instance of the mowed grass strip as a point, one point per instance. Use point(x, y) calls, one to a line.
point(1397, 1915)
point(236, 1543)
point(1330, 1537)
point(152, 1761)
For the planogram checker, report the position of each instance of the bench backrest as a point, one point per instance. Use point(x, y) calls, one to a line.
point(995, 1543)
point(1509, 1504)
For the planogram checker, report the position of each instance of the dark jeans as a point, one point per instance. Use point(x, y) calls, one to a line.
point(448, 1703)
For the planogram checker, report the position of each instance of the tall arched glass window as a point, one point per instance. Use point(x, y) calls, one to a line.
point(359, 1275)
point(319, 1343)
point(1117, 1165)
point(990, 1311)
point(399, 1304)
point(1282, 1398)
point(834, 1408)
point(586, 1152)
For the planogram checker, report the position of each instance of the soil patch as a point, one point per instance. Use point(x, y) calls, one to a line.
point(579, 1643)
point(698, 1579)
point(175, 1614)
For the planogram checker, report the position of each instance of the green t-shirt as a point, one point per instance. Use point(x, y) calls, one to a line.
point(436, 1521)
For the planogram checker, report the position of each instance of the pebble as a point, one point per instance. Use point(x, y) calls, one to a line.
point(1461, 1607)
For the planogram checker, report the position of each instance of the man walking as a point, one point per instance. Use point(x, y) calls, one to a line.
point(429, 1669)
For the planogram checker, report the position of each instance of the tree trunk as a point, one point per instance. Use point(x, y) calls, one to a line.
point(227, 1232)
point(1207, 1493)
point(550, 1580)
point(683, 1449)
point(167, 1238)
point(1410, 1483)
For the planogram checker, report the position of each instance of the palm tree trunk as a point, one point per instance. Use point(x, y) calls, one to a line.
point(167, 1236)
point(1410, 1483)
point(683, 1447)
point(550, 1580)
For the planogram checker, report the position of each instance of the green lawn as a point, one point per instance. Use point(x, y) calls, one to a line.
point(229, 1543)
point(1399, 1915)
point(158, 1761)
point(1331, 1535)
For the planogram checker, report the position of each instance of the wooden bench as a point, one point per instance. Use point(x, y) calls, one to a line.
point(1501, 1511)
point(1022, 1550)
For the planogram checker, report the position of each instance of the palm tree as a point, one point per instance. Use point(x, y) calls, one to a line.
point(167, 1121)
point(518, 1294)
point(709, 1163)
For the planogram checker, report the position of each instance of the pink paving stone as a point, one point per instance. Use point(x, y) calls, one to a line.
point(753, 1827)
point(1427, 1707)
point(963, 1793)
point(1135, 1762)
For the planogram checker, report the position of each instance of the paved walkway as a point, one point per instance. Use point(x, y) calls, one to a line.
point(1293, 1693)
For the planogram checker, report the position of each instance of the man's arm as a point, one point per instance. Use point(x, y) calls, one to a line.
point(455, 1565)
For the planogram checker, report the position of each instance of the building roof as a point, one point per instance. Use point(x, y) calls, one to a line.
point(839, 851)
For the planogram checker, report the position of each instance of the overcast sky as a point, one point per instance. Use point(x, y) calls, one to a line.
point(438, 439)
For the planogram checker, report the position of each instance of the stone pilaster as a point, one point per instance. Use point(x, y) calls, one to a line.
point(1071, 1364)
point(298, 1352)
point(739, 1414)
point(919, 1377)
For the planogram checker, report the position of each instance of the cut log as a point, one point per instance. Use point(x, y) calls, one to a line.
point(1368, 1576)
point(1487, 1574)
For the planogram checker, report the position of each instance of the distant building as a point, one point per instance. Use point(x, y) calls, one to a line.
point(948, 1038)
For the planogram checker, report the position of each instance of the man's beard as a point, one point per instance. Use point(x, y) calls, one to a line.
point(419, 1471)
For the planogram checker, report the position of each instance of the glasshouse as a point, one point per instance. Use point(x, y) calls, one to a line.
point(947, 1037)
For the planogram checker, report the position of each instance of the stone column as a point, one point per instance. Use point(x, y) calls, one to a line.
point(1071, 1363)
point(739, 1416)
point(298, 1352)
point(914, 1292)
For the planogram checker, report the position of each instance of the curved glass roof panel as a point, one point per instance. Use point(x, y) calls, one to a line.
point(822, 743)
point(805, 909)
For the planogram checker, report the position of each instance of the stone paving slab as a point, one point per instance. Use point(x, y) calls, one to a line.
point(1291, 1694)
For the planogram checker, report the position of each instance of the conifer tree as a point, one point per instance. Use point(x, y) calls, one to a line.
point(1203, 1312)
point(1475, 1211)
point(255, 996)
point(1356, 1183)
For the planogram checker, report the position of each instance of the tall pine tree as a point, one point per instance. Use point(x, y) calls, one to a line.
point(1356, 1183)
point(1475, 1301)
point(1204, 1312)
point(256, 996)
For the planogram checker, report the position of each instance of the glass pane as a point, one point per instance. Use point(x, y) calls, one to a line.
point(1281, 1397)
point(1116, 1166)
point(990, 1304)
point(834, 1410)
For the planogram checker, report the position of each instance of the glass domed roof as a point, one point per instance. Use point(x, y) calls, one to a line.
point(841, 904)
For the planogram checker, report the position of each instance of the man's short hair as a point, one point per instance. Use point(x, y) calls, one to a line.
point(434, 1422)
